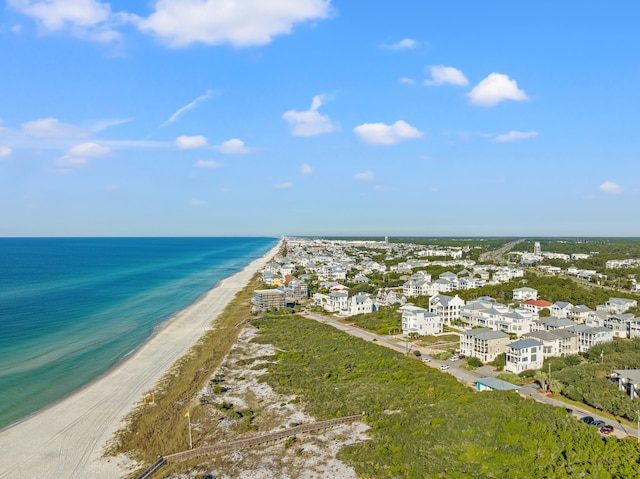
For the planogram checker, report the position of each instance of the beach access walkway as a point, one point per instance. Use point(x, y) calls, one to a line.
point(249, 442)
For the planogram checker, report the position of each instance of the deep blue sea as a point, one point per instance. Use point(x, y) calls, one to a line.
point(71, 308)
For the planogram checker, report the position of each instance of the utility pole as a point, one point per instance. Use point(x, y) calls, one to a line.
point(638, 415)
point(549, 385)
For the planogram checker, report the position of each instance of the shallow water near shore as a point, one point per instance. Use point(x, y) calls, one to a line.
point(71, 308)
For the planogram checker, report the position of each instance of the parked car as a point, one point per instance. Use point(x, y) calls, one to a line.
point(444, 367)
point(454, 358)
point(606, 430)
point(426, 360)
point(597, 424)
point(587, 419)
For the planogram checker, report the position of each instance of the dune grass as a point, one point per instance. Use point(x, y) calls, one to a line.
point(161, 428)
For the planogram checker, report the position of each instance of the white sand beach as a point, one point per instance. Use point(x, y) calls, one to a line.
point(66, 440)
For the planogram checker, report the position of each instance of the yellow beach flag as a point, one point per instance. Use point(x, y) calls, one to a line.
point(186, 414)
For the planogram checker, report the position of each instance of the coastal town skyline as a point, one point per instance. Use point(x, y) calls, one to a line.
point(323, 118)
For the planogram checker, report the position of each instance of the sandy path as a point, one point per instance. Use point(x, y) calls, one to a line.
point(66, 440)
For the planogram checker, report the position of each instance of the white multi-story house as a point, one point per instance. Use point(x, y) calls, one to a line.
point(334, 302)
point(551, 323)
point(444, 285)
point(596, 318)
point(634, 329)
point(524, 294)
point(418, 287)
point(387, 297)
point(420, 321)
point(360, 303)
point(524, 355)
point(579, 313)
point(628, 381)
point(556, 343)
point(483, 343)
point(620, 305)
point(296, 290)
point(589, 337)
point(287, 269)
point(560, 309)
point(447, 307)
point(619, 324)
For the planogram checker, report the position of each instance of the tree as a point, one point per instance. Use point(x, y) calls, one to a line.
point(544, 313)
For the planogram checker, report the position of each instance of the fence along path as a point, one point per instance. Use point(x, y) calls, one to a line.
point(254, 441)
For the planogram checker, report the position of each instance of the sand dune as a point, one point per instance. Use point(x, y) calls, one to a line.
point(66, 439)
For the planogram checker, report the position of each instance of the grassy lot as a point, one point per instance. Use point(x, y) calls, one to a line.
point(383, 322)
point(439, 428)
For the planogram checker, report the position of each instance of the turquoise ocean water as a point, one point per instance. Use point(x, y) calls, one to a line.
point(71, 308)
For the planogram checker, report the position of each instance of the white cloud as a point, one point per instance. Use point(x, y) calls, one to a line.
point(406, 80)
point(306, 169)
point(207, 164)
point(189, 142)
point(611, 188)
point(197, 203)
point(214, 22)
point(233, 147)
point(383, 134)
point(70, 162)
point(89, 149)
point(404, 44)
point(52, 128)
point(5, 151)
point(515, 136)
point(16, 28)
point(283, 186)
point(364, 176)
point(189, 106)
point(441, 75)
point(495, 88)
point(310, 122)
point(88, 19)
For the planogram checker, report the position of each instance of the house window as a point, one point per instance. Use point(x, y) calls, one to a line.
point(533, 358)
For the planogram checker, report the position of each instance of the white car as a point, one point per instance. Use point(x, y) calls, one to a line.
point(426, 360)
point(444, 367)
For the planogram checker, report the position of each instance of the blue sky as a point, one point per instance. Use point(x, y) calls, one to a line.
point(318, 117)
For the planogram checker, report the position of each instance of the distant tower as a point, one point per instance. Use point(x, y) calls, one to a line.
point(536, 248)
point(386, 240)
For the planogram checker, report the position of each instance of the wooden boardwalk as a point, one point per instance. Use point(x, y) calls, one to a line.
point(254, 441)
point(245, 443)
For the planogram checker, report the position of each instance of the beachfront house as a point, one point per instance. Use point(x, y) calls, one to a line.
point(628, 381)
point(267, 299)
point(419, 321)
point(483, 343)
point(524, 355)
point(620, 305)
point(523, 294)
point(447, 307)
point(556, 343)
point(361, 303)
point(589, 337)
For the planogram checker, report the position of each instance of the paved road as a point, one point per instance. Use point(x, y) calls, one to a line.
point(463, 375)
point(495, 254)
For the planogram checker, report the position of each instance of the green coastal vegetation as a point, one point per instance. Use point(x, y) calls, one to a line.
point(426, 424)
point(587, 381)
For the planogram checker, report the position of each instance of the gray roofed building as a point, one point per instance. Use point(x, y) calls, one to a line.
point(628, 381)
point(495, 384)
point(483, 343)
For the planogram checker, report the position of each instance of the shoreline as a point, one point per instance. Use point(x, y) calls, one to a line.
point(66, 438)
